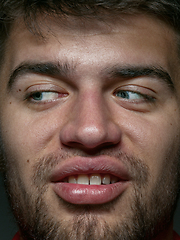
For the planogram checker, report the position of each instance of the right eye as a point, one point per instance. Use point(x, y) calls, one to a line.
point(43, 96)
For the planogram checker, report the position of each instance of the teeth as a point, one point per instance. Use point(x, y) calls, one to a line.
point(106, 179)
point(95, 179)
point(83, 179)
point(72, 179)
point(92, 179)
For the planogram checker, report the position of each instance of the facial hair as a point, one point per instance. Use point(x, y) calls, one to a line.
point(150, 212)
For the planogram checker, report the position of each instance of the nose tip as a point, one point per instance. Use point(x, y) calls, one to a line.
point(93, 136)
point(90, 136)
point(90, 123)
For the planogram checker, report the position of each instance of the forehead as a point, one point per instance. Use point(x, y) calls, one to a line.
point(127, 40)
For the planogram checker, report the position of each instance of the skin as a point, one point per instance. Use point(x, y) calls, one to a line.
point(88, 116)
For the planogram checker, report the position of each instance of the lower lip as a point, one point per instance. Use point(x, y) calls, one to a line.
point(89, 194)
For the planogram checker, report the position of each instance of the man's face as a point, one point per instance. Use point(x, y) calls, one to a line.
point(90, 128)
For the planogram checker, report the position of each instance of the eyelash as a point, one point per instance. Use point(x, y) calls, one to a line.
point(29, 97)
point(141, 97)
point(140, 101)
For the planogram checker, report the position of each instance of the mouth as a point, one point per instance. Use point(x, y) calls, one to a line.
point(90, 181)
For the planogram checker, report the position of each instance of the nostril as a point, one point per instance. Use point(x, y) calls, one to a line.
point(90, 134)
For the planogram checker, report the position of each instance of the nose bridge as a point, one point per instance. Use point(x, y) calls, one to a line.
point(91, 119)
point(90, 124)
point(91, 114)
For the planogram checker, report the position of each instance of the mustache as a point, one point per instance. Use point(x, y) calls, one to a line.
point(44, 166)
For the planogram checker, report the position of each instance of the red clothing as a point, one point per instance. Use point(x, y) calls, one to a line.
point(16, 237)
point(175, 237)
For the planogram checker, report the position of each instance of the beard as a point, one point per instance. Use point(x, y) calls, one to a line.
point(150, 210)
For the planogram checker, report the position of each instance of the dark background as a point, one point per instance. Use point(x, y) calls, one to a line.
point(8, 227)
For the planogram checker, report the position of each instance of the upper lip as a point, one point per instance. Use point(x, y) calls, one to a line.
point(85, 165)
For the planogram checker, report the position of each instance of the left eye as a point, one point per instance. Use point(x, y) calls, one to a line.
point(129, 95)
point(44, 96)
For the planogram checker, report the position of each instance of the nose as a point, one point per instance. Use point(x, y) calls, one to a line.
point(90, 124)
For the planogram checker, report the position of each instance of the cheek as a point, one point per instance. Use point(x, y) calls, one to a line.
point(28, 137)
point(25, 142)
point(155, 140)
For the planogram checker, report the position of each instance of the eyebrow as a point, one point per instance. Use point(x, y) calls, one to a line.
point(141, 71)
point(49, 68)
point(66, 69)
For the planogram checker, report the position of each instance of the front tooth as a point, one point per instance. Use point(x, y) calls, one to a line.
point(95, 179)
point(106, 179)
point(72, 179)
point(83, 179)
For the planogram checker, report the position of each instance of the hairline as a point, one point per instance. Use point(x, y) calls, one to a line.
point(38, 31)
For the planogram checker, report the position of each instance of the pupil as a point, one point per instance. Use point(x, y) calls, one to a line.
point(37, 96)
point(123, 95)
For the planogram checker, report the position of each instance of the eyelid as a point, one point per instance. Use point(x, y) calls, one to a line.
point(136, 88)
point(139, 89)
point(31, 90)
point(145, 103)
point(140, 99)
point(59, 92)
point(46, 87)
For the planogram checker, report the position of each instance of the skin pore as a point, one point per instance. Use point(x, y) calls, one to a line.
point(92, 96)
